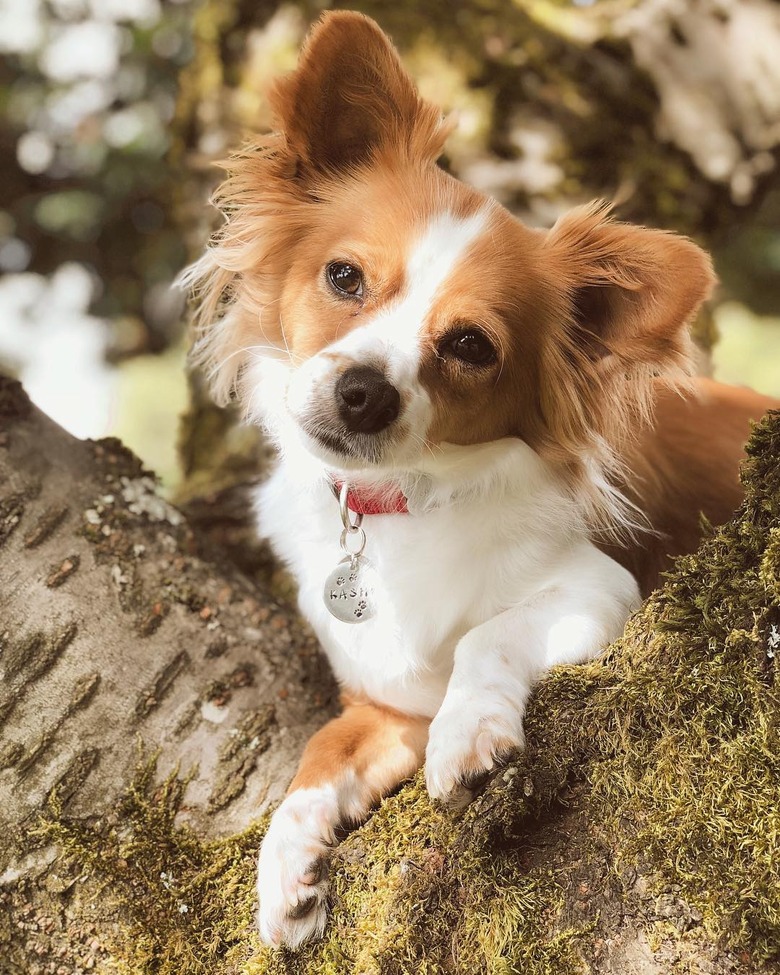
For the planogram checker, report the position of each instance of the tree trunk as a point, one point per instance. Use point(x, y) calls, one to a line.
point(117, 629)
point(639, 833)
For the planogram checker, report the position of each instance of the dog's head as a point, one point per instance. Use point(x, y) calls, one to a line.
point(403, 309)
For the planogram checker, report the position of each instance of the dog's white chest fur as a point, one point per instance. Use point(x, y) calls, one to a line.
point(498, 533)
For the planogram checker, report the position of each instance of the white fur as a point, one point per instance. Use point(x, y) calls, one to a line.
point(390, 340)
point(489, 581)
point(499, 537)
point(292, 871)
point(579, 609)
point(292, 874)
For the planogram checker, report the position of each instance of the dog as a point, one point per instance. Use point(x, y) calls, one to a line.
point(489, 443)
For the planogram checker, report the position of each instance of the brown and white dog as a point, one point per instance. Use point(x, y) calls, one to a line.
point(509, 408)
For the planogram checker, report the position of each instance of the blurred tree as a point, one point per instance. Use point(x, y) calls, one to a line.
point(88, 91)
point(672, 108)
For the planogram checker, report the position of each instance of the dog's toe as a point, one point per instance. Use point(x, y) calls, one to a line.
point(294, 912)
point(462, 754)
point(292, 879)
point(303, 907)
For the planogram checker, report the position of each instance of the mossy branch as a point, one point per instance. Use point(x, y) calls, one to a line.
point(642, 822)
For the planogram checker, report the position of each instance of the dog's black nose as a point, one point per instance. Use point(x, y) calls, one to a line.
point(366, 401)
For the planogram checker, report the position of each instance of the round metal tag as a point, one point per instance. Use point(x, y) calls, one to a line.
point(349, 592)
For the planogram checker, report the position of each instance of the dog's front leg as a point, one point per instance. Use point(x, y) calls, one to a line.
point(480, 721)
point(346, 768)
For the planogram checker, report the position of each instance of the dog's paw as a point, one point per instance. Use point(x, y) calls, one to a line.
point(292, 875)
point(465, 744)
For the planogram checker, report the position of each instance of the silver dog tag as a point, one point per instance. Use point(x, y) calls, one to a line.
point(350, 590)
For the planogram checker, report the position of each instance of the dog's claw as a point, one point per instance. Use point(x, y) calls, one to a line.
point(302, 908)
point(463, 754)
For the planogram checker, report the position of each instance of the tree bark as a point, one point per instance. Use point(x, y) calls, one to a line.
point(634, 836)
point(118, 626)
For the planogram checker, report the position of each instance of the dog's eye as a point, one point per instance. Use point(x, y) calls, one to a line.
point(469, 346)
point(345, 278)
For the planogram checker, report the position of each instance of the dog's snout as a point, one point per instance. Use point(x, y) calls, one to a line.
point(367, 402)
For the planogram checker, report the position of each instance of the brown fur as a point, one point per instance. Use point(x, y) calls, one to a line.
point(685, 464)
point(349, 96)
point(586, 317)
point(380, 747)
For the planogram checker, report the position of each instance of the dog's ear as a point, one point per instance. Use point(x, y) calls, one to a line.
point(349, 97)
point(620, 299)
point(631, 291)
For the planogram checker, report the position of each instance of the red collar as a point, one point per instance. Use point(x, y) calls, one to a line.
point(368, 501)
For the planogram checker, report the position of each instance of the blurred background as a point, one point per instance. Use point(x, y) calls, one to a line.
point(114, 111)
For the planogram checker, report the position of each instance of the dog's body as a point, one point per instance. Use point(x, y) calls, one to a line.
point(489, 389)
point(502, 534)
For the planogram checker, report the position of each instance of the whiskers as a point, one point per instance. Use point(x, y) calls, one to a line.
point(254, 351)
point(433, 449)
point(284, 339)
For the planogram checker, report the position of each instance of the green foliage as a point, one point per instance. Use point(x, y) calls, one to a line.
point(84, 170)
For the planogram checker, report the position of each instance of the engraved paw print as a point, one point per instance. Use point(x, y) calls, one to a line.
point(362, 604)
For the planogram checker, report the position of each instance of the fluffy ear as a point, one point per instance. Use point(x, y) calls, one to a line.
point(622, 298)
point(631, 291)
point(350, 96)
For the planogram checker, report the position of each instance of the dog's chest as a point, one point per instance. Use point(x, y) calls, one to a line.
point(438, 575)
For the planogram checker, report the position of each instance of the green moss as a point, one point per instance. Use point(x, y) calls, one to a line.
point(417, 894)
point(659, 761)
point(695, 759)
point(186, 905)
